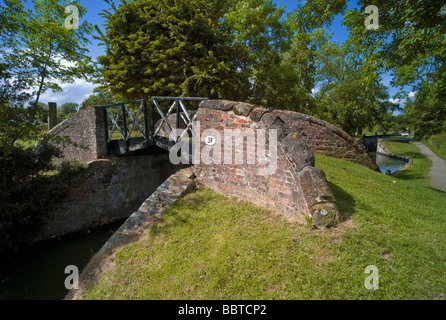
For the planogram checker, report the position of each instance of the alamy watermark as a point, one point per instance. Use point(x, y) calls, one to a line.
point(372, 281)
point(72, 281)
point(72, 21)
point(372, 21)
point(228, 149)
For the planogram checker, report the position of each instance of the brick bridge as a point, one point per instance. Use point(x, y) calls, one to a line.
point(296, 189)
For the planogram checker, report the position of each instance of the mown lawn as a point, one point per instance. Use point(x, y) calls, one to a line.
point(208, 246)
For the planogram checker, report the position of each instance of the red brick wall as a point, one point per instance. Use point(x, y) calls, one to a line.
point(85, 128)
point(296, 189)
point(327, 139)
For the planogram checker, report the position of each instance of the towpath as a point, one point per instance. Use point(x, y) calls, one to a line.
point(437, 174)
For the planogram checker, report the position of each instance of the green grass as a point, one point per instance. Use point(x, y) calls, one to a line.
point(208, 246)
point(437, 143)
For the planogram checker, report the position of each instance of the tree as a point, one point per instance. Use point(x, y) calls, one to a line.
point(409, 43)
point(14, 84)
point(36, 51)
point(344, 95)
point(100, 97)
point(166, 47)
point(220, 49)
point(392, 123)
point(263, 36)
point(50, 50)
point(426, 112)
point(67, 109)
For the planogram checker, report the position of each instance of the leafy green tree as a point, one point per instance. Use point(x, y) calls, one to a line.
point(100, 97)
point(167, 47)
point(36, 50)
point(67, 109)
point(392, 123)
point(426, 112)
point(315, 59)
point(220, 49)
point(14, 82)
point(52, 51)
point(415, 53)
point(409, 43)
point(348, 100)
point(263, 36)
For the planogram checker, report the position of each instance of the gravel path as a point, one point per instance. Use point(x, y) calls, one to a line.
point(437, 173)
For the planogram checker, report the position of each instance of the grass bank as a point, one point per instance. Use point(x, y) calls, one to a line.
point(208, 246)
point(437, 143)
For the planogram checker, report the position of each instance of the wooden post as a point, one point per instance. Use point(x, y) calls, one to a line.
point(52, 115)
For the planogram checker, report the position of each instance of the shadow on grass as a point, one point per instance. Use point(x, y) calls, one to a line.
point(344, 201)
point(179, 212)
point(409, 175)
point(437, 190)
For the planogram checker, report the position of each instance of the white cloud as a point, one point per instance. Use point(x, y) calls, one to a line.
point(394, 100)
point(72, 92)
point(412, 94)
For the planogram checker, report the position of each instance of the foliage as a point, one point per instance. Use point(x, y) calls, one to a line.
point(100, 97)
point(15, 125)
point(262, 37)
point(36, 53)
point(426, 112)
point(220, 49)
point(409, 43)
point(392, 123)
point(67, 109)
point(345, 97)
point(27, 194)
point(14, 81)
point(45, 50)
point(153, 47)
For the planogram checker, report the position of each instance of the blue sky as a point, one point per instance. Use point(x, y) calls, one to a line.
point(80, 90)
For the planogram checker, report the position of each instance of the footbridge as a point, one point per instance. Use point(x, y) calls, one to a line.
point(140, 124)
point(128, 140)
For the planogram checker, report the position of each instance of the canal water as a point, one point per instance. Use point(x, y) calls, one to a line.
point(387, 163)
point(37, 272)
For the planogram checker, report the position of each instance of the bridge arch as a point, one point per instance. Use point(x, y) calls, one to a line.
point(327, 139)
point(297, 190)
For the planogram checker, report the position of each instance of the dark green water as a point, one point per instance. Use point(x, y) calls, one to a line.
point(37, 273)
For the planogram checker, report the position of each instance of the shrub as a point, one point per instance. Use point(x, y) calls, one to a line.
point(27, 194)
